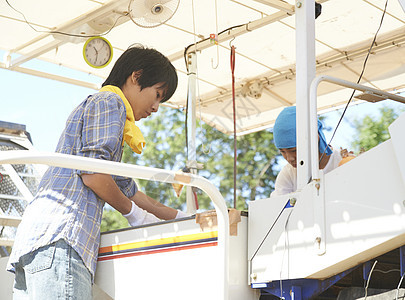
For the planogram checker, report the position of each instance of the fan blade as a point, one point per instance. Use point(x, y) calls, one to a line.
point(151, 3)
point(139, 9)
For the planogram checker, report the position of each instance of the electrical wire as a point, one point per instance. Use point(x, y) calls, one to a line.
point(206, 39)
point(65, 33)
point(389, 271)
point(399, 285)
point(368, 280)
point(358, 81)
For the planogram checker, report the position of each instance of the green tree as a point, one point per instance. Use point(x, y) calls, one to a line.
point(371, 132)
point(166, 149)
point(256, 157)
point(112, 219)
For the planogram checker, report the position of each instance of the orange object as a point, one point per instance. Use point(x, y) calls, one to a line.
point(177, 188)
point(346, 159)
point(346, 156)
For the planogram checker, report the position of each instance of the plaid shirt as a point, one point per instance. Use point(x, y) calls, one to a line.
point(64, 208)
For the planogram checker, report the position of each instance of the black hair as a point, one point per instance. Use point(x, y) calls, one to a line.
point(153, 66)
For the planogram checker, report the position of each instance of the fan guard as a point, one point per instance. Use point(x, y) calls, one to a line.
point(152, 13)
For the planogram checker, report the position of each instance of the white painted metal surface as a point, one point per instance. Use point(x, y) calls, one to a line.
point(305, 62)
point(7, 281)
point(363, 215)
point(396, 131)
point(313, 112)
point(168, 260)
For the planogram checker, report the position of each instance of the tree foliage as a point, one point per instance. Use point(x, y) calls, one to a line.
point(372, 131)
point(166, 149)
point(112, 219)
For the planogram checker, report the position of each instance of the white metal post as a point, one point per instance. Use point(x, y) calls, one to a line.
point(191, 127)
point(305, 68)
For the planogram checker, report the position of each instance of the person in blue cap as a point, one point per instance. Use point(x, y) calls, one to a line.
point(285, 139)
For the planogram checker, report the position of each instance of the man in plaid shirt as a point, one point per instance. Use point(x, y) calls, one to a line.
point(55, 251)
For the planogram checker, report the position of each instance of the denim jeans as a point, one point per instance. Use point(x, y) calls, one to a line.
point(54, 271)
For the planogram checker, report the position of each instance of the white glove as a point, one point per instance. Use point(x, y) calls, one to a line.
point(181, 214)
point(138, 216)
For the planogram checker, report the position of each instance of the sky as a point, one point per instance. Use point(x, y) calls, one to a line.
point(43, 105)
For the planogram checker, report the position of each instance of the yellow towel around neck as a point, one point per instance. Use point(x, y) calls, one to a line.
point(132, 134)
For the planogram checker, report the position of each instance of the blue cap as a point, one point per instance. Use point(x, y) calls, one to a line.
point(285, 131)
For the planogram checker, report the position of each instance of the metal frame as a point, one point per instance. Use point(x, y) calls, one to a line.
point(313, 112)
point(297, 289)
point(305, 53)
point(191, 125)
point(147, 173)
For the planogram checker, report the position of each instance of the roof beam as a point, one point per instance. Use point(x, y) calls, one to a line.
point(35, 53)
point(279, 4)
point(277, 97)
point(10, 221)
point(6, 242)
point(326, 61)
point(72, 26)
point(53, 77)
point(231, 33)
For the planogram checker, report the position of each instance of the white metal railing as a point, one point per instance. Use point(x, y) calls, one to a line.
point(140, 172)
point(313, 112)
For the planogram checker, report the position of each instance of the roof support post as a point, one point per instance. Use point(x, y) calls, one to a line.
point(305, 66)
point(191, 125)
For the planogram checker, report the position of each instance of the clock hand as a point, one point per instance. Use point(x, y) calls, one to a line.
point(95, 49)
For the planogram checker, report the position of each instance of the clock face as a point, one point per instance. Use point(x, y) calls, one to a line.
point(97, 52)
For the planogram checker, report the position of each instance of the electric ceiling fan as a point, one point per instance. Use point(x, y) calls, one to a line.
point(152, 13)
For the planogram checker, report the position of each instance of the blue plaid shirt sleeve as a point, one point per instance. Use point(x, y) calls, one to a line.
point(102, 130)
point(102, 136)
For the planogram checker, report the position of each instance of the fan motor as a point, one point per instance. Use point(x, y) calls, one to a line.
point(157, 9)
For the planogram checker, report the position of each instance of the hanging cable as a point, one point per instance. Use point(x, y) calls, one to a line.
point(399, 285)
point(358, 81)
point(234, 124)
point(368, 280)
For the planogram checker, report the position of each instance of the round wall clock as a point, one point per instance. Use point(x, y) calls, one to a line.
point(97, 52)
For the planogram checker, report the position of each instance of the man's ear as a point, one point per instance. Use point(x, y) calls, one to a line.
point(135, 76)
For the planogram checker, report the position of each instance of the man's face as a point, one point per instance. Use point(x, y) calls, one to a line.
point(290, 155)
point(143, 102)
point(147, 101)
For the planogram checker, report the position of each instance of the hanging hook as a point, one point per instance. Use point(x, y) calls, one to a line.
point(230, 42)
point(212, 60)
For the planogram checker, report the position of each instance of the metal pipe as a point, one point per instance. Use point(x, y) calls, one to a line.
point(305, 62)
point(191, 125)
point(313, 112)
point(134, 171)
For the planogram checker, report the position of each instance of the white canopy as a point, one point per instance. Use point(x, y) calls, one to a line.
point(263, 32)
